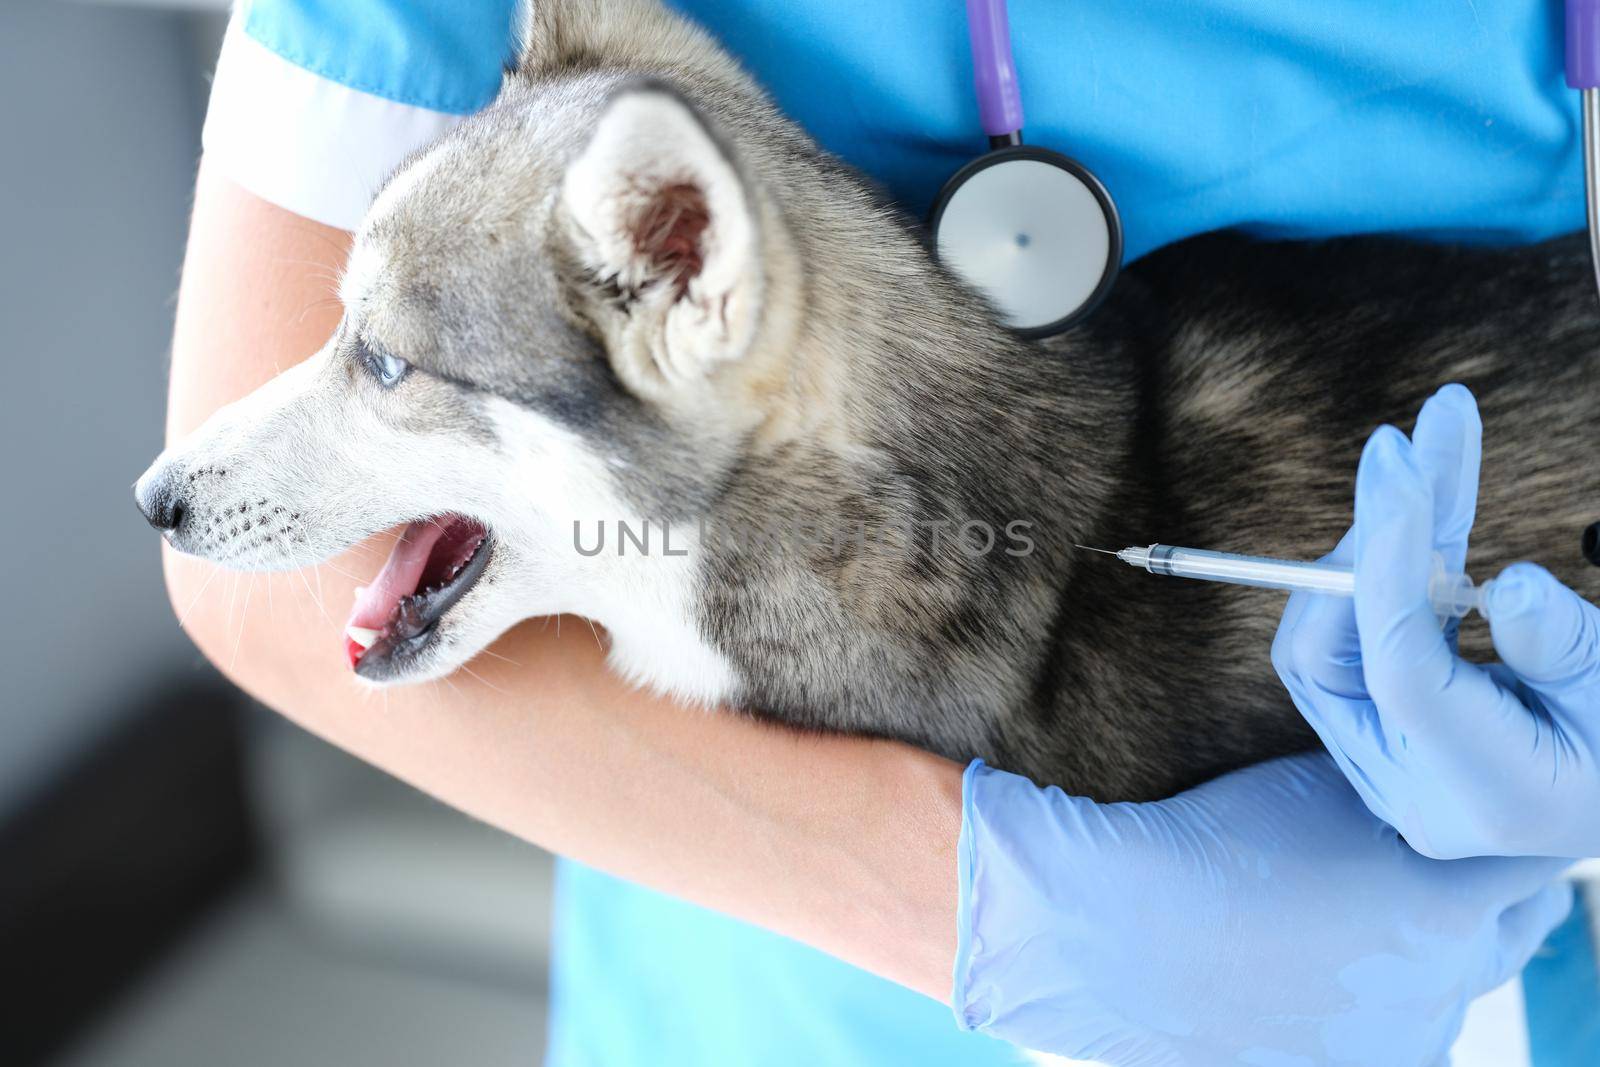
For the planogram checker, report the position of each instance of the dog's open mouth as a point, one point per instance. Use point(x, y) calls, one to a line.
point(430, 568)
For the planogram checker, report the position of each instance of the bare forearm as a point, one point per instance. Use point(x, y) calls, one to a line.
point(844, 843)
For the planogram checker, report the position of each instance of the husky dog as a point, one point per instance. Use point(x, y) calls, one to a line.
point(631, 292)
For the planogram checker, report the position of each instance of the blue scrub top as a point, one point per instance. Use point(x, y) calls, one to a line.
point(1297, 118)
point(1302, 118)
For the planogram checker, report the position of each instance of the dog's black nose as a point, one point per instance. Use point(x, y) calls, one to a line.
point(160, 502)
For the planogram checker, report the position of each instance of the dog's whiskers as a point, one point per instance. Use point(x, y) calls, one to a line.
point(362, 555)
point(244, 617)
point(316, 305)
point(498, 656)
point(340, 571)
point(321, 272)
point(316, 597)
point(484, 680)
point(233, 595)
point(184, 618)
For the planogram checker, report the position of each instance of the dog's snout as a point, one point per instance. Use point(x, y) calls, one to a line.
point(160, 501)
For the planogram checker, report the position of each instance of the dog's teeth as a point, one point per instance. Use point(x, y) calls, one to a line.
point(361, 636)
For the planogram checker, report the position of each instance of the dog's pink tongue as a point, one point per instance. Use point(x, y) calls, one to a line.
point(399, 579)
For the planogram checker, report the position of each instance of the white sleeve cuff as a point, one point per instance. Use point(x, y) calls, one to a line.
point(313, 146)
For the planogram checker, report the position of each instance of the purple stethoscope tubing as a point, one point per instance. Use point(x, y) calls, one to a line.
point(1000, 99)
point(994, 72)
point(1583, 74)
point(1000, 112)
point(1583, 43)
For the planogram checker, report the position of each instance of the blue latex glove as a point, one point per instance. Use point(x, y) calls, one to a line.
point(1264, 918)
point(1463, 760)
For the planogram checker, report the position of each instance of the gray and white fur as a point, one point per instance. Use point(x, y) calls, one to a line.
point(632, 290)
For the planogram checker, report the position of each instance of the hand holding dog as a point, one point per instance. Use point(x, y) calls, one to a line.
point(1463, 760)
point(1264, 917)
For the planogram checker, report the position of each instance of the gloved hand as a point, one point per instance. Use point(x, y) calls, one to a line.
point(1265, 918)
point(1463, 760)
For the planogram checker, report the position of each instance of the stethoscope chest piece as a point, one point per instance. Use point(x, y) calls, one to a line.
point(1033, 230)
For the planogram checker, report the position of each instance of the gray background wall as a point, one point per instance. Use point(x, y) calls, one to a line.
point(381, 928)
point(97, 154)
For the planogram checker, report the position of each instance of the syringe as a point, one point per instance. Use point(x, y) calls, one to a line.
point(1453, 596)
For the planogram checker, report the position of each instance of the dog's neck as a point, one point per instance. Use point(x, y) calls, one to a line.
point(882, 320)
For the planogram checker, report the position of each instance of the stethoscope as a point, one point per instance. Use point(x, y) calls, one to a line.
point(1032, 229)
point(1039, 234)
point(1583, 74)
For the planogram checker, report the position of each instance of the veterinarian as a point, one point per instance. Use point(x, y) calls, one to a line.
point(1261, 917)
point(1465, 760)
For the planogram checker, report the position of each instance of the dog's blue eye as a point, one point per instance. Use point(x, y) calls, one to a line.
point(388, 369)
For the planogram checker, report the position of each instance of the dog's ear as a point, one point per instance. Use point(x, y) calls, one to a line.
point(568, 34)
point(662, 213)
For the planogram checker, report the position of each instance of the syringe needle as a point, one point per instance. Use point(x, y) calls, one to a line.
point(1091, 548)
